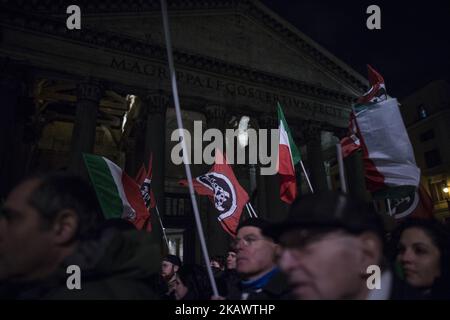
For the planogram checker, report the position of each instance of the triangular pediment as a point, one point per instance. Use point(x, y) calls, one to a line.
point(250, 36)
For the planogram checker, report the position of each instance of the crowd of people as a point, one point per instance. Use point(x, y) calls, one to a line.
point(324, 250)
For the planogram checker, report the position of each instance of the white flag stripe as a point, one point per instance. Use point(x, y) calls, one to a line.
point(388, 144)
point(116, 174)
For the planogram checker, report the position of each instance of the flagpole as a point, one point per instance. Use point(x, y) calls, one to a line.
point(249, 212)
point(162, 226)
point(341, 168)
point(253, 210)
point(307, 178)
point(389, 206)
point(184, 147)
point(375, 206)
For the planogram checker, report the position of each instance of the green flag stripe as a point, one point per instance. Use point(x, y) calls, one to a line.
point(295, 153)
point(104, 185)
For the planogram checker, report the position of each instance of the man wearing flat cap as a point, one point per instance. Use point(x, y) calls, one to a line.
point(170, 264)
point(330, 245)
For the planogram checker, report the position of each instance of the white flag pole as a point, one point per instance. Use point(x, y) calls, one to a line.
point(341, 168)
point(389, 206)
point(162, 226)
point(184, 147)
point(253, 210)
point(248, 210)
point(307, 178)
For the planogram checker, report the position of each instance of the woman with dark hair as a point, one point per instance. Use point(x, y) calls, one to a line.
point(422, 253)
point(192, 283)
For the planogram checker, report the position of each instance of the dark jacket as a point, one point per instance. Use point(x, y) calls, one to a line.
point(401, 290)
point(228, 282)
point(277, 288)
point(115, 265)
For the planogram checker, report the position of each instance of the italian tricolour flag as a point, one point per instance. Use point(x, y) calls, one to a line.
point(288, 157)
point(118, 194)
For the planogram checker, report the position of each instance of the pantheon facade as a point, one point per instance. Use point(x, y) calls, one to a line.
point(105, 89)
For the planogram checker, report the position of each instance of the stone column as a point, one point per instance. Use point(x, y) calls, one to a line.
point(155, 142)
point(315, 164)
point(133, 144)
point(153, 126)
point(89, 94)
point(260, 202)
point(19, 130)
point(218, 239)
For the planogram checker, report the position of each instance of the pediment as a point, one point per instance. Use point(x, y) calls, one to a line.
point(239, 37)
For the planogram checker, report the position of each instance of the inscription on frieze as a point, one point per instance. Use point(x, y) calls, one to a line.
point(309, 108)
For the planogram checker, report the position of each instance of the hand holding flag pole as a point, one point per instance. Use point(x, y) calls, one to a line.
point(184, 148)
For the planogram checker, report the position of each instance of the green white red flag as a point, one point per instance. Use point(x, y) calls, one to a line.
point(288, 157)
point(118, 194)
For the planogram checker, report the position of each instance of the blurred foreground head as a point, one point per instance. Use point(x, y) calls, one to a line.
point(41, 222)
point(329, 240)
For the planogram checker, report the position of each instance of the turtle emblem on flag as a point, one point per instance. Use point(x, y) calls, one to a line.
point(129, 214)
point(223, 192)
point(145, 191)
point(402, 207)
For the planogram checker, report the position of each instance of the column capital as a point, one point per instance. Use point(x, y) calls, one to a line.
point(90, 90)
point(156, 102)
point(267, 120)
point(339, 132)
point(215, 112)
point(310, 130)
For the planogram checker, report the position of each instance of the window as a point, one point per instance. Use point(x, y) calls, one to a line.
point(437, 191)
point(175, 238)
point(178, 205)
point(432, 158)
point(422, 112)
point(427, 135)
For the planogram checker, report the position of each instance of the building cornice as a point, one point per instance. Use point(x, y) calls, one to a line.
point(53, 27)
point(250, 8)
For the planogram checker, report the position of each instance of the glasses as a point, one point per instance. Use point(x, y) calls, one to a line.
point(247, 240)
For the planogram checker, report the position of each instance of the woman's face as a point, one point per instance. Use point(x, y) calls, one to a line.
point(179, 288)
point(419, 257)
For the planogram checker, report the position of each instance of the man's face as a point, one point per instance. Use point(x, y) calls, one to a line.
point(25, 243)
point(255, 253)
point(329, 267)
point(231, 260)
point(168, 270)
point(215, 264)
point(179, 289)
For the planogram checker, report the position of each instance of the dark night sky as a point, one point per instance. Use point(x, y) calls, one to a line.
point(411, 49)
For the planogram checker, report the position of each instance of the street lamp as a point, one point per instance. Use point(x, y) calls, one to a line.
point(445, 189)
